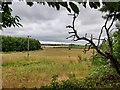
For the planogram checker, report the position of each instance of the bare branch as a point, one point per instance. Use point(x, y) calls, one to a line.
point(86, 35)
point(97, 39)
point(113, 29)
point(70, 32)
point(84, 38)
point(70, 36)
point(100, 35)
point(108, 34)
point(69, 26)
point(91, 37)
point(112, 21)
point(87, 48)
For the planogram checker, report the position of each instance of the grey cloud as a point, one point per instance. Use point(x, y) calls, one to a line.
point(48, 24)
point(90, 16)
point(36, 13)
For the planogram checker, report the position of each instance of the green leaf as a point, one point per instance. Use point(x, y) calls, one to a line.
point(64, 4)
point(20, 24)
point(74, 7)
point(18, 17)
point(112, 5)
point(69, 9)
point(49, 4)
point(115, 5)
point(79, 2)
point(30, 3)
point(103, 9)
point(57, 6)
point(84, 4)
point(97, 4)
point(92, 5)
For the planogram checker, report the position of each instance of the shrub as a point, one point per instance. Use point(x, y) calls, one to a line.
point(97, 61)
point(18, 44)
point(116, 45)
point(103, 76)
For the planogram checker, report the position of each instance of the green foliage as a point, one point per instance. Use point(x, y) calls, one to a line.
point(74, 7)
point(18, 44)
point(71, 84)
point(30, 3)
point(116, 45)
point(8, 19)
point(93, 5)
point(103, 76)
point(111, 8)
point(104, 46)
point(97, 61)
point(96, 58)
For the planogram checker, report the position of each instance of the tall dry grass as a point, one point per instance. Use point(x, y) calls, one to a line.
point(19, 70)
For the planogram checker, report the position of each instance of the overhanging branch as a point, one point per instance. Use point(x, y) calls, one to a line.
point(91, 43)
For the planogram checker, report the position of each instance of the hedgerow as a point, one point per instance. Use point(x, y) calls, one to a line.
point(19, 44)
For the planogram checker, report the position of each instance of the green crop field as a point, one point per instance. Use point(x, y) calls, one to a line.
point(19, 70)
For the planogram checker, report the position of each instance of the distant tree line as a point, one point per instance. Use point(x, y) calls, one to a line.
point(9, 43)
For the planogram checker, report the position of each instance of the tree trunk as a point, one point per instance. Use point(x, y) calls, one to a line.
point(115, 63)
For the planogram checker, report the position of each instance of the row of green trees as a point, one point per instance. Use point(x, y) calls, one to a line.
point(19, 44)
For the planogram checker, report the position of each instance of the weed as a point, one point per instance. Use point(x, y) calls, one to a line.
point(79, 58)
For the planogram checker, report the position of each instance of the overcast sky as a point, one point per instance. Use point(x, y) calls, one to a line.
point(47, 24)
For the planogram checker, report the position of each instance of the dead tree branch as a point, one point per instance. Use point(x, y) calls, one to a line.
point(74, 31)
point(107, 54)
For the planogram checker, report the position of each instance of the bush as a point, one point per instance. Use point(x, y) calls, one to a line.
point(103, 76)
point(71, 84)
point(116, 44)
point(18, 44)
point(97, 61)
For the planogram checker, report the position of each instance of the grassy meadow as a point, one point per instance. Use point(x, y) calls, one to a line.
point(19, 70)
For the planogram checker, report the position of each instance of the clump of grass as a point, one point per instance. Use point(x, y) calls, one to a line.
point(79, 58)
point(42, 70)
point(41, 66)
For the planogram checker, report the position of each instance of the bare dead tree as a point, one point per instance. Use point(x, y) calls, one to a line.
point(108, 54)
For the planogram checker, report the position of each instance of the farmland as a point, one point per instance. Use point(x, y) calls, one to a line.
point(19, 70)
